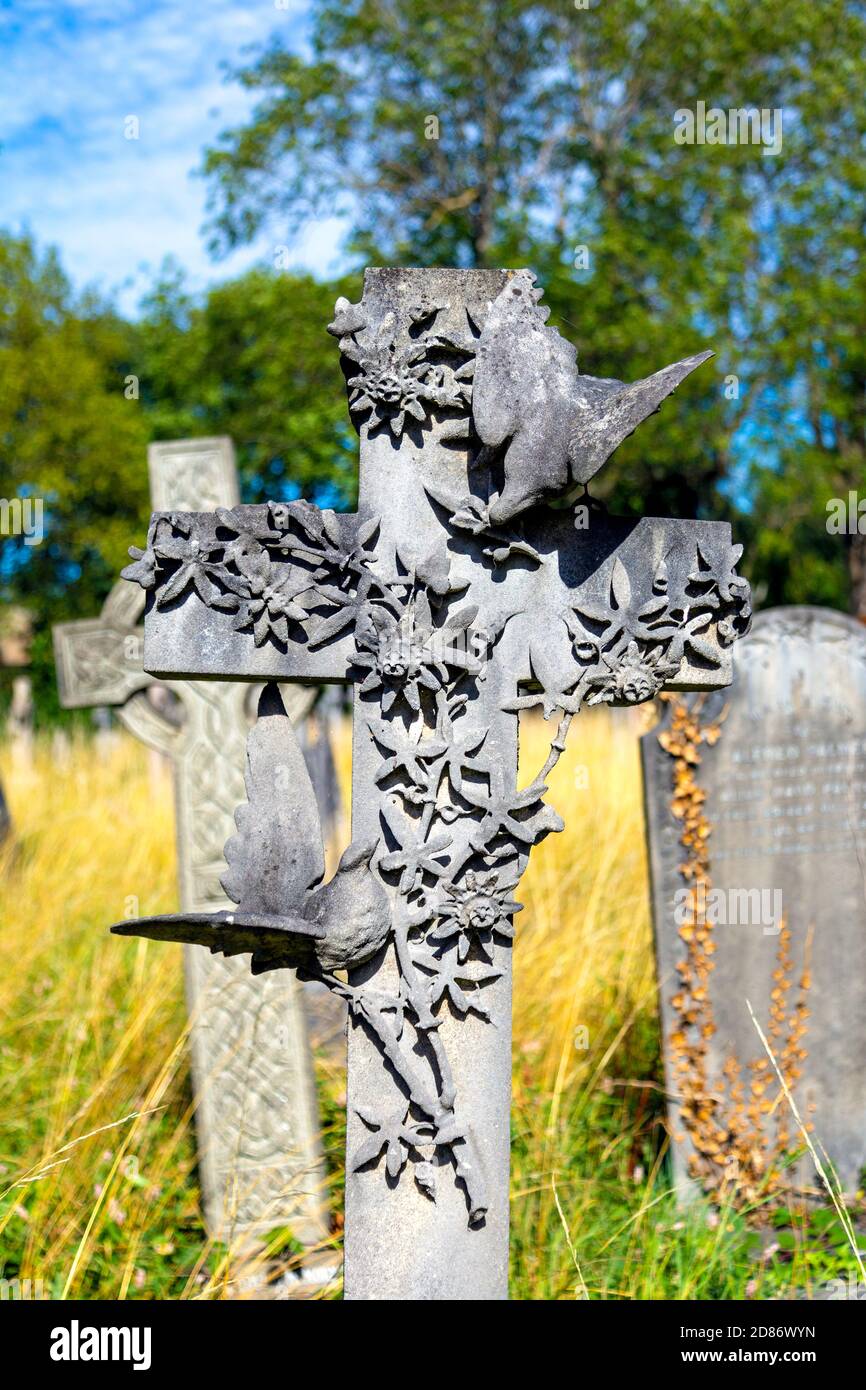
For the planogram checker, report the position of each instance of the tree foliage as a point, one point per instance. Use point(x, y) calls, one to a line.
point(83, 392)
point(67, 433)
point(552, 130)
point(253, 360)
point(492, 132)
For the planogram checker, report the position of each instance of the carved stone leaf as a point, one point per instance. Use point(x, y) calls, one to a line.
point(369, 1150)
point(459, 622)
point(368, 531)
point(331, 527)
point(620, 584)
point(332, 624)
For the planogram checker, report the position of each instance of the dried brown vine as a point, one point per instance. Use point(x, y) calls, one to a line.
point(737, 1123)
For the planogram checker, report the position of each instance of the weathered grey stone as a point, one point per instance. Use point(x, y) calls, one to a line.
point(785, 793)
point(558, 425)
point(441, 616)
point(257, 1119)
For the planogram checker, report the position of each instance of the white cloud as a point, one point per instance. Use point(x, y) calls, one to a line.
point(72, 73)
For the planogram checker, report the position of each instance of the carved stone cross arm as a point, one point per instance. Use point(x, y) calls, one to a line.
point(454, 598)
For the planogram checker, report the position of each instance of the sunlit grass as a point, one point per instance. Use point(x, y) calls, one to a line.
point(98, 1184)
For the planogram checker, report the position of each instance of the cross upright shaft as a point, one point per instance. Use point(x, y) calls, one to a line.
point(450, 592)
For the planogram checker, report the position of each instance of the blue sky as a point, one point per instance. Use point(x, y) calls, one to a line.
point(72, 71)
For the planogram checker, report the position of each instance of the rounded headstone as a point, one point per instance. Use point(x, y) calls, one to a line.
point(785, 801)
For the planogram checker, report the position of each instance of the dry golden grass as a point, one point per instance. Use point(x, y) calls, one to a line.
point(98, 1189)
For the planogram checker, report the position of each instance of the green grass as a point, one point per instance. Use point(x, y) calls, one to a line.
point(98, 1184)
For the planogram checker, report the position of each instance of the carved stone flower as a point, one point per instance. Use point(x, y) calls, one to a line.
point(472, 910)
point(633, 676)
point(271, 612)
point(268, 597)
point(637, 678)
point(396, 656)
point(395, 377)
point(391, 389)
point(173, 539)
point(406, 655)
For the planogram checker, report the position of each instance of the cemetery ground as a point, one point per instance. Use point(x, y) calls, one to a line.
point(98, 1187)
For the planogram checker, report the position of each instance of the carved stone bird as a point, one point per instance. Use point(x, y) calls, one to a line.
point(276, 861)
point(560, 426)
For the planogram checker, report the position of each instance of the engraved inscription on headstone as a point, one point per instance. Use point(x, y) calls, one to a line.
point(256, 1116)
point(785, 788)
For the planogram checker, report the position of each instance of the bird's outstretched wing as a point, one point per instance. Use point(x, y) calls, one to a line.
point(608, 411)
point(271, 941)
point(344, 923)
point(274, 861)
point(278, 854)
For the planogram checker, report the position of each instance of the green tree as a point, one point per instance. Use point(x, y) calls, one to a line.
point(252, 359)
point(82, 393)
point(70, 438)
point(811, 320)
point(514, 132)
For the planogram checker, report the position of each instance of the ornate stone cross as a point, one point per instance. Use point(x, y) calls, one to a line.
point(454, 598)
point(256, 1115)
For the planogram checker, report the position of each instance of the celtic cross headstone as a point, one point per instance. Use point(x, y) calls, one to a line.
point(256, 1114)
point(453, 598)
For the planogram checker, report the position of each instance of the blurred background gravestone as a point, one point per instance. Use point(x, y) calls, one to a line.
point(756, 805)
point(16, 639)
point(5, 818)
point(256, 1113)
point(21, 712)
